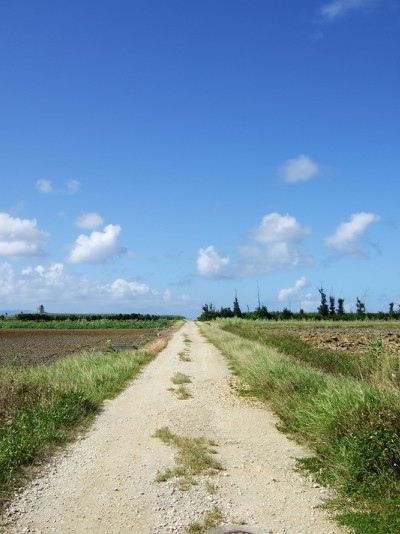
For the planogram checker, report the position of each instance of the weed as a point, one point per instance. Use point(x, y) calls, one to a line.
point(180, 378)
point(211, 488)
point(184, 357)
point(181, 392)
point(212, 519)
point(194, 457)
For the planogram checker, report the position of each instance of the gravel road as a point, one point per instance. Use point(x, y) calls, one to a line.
point(105, 481)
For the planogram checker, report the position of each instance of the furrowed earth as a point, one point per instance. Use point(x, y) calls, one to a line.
point(25, 347)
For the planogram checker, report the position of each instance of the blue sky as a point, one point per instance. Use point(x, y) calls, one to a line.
point(159, 155)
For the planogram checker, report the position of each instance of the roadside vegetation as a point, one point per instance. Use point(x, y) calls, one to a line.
point(180, 379)
point(74, 321)
point(195, 456)
point(211, 520)
point(345, 408)
point(43, 406)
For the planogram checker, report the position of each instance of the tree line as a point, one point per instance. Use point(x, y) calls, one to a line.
point(329, 309)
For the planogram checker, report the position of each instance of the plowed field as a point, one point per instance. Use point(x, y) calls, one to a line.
point(25, 347)
point(350, 340)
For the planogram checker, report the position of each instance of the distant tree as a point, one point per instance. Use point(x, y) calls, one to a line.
point(340, 308)
point(225, 312)
point(323, 309)
point(237, 312)
point(391, 308)
point(262, 313)
point(286, 314)
point(360, 307)
point(208, 313)
point(332, 310)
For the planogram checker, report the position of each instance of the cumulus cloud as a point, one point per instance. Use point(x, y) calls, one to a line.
point(348, 238)
point(44, 186)
point(299, 169)
point(89, 221)
point(275, 244)
point(122, 288)
point(96, 247)
point(336, 9)
point(210, 263)
point(20, 238)
point(290, 292)
point(276, 228)
point(52, 286)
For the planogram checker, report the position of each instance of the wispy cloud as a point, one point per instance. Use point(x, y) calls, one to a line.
point(89, 221)
point(349, 237)
point(96, 247)
point(20, 238)
point(299, 169)
point(44, 186)
point(331, 11)
point(73, 186)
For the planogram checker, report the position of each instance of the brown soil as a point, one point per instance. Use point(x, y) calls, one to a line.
point(350, 340)
point(26, 347)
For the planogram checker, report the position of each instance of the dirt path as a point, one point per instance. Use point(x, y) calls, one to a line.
point(105, 482)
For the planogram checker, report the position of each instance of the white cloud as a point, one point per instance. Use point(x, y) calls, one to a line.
point(53, 287)
point(89, 221)
point(210, 263)
point(275, 244)
point(122, 288)
point(338, 8)
point(287, 293)
point(96, 247)
point(276, 228)
point(299, 169)
point(44, 186)
point(348, 237)
point(20, 238)
point(167, 295)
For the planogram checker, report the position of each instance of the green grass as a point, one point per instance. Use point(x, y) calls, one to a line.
point(195, 456)
point(41, 406)
point(184, 357)
point(351, 424)
point(83, 323)
point(211, 520)
point(180, 378)
point(181, 392)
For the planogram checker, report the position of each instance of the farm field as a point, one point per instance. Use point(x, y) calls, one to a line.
point(27, 347)
point(350, 339)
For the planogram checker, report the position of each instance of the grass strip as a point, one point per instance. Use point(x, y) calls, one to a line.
point(353, 426)
point(40, 406)
point(195, 457)
point(180, 378)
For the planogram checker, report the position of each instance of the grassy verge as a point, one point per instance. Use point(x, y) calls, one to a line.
point(40, 406)
point(351, 424)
